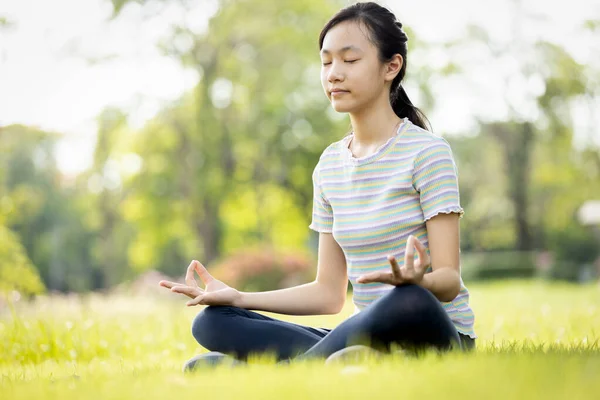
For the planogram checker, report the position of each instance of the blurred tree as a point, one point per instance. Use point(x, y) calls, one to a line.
point(104, 192)
point(488, 222)
point(17, 273)
point(228, 164)
point(535, 143)
point(517, 141)
point(36, 204)
point(256, 121)
point(246, 141)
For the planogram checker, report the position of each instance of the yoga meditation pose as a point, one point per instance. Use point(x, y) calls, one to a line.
point(386, 206)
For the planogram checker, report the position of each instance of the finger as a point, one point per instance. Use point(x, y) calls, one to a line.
point(189, 275)
point(202, 272)
point(206, 298)
point(383, 277)
point(168, 284)
point(395, 268)
point(188, 291)
point(195, 301)
point(409, 254)
point(422, 250)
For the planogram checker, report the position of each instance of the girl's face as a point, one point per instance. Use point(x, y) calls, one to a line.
point(351, 73)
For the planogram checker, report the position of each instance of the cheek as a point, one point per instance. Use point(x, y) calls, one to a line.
point(368, 81)
point(361, 81)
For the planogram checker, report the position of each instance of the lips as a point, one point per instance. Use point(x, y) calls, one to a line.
point(338, 92)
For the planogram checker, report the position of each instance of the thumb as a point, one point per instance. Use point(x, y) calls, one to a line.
point(202, 272)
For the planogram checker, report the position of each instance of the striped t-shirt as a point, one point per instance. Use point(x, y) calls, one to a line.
point(372, 204)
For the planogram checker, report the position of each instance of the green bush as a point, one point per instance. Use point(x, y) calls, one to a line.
point(564, 270)
point(260, 269)
point(574, 248)
point(16, 270)
point(497, 265)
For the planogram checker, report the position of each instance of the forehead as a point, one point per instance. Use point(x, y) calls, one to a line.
point(346, 36)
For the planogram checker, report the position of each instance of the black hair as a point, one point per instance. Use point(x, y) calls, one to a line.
point(386, 33)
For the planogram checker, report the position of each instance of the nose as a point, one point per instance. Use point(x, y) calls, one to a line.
point(334, 74)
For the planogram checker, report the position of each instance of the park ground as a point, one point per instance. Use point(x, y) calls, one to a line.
point(537, 340)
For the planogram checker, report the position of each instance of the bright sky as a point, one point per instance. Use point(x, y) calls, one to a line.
point(46, 81)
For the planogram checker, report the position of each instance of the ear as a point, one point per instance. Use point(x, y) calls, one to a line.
point(393, 67)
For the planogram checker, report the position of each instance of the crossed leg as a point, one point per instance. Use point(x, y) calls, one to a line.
point(407, 315)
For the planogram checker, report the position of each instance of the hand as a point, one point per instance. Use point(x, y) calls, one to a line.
point(411, 271)
point(215, 292)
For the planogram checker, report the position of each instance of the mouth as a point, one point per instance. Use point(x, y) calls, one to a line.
point(338, 92)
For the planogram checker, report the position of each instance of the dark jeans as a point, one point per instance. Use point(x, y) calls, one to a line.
point(408, 315)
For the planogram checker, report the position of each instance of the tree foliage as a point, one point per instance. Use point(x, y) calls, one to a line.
point(227, 166)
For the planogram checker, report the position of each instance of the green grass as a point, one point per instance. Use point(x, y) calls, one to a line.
point(536, 340)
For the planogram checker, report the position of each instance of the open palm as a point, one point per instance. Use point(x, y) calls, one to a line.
point(215, 292)
point(411, 272)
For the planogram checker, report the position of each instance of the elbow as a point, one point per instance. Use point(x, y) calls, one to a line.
point(334, 306)
point(332, 298)
point(452, 292)
point(445, 286)
point(448, 297)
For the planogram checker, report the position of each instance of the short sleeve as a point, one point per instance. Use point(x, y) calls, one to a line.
point(322, 215)
point(435, 177)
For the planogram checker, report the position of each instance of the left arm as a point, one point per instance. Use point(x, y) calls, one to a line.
point(444, 280)
point(435, 177)
point(443, 232)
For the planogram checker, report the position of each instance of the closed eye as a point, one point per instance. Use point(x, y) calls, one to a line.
point(346, 61)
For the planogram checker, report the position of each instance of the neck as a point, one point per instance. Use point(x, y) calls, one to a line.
point(374, 124)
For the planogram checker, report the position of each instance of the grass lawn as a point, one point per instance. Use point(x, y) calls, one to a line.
point(536, 340)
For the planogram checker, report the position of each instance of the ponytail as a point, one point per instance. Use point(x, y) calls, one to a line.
point(404, 108)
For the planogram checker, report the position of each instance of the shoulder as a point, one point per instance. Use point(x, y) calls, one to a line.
point(426, 150)
point(421, 140)
point(332, 154)
point(334, 150)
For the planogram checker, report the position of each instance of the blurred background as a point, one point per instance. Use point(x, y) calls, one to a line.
point(137, 135)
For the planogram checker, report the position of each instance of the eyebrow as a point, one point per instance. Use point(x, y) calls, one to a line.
point(342, 50)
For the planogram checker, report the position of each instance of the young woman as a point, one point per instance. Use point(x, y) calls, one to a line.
point(387, 189)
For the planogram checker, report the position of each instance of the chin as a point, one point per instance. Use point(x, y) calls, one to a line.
point(341, 107)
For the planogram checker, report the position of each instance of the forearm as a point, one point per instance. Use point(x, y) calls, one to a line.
point(309, 299)
point(444, 283)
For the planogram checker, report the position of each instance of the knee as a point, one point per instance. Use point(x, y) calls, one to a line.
point(414, 295)
point(416, 314)
point(206, 324)
point(415, 290)
point(407, 300)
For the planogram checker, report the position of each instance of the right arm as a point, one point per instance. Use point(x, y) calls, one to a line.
point(325, 295)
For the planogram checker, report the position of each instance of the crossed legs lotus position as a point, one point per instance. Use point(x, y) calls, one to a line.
point(408, 315)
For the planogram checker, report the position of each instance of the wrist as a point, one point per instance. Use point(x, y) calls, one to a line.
point(426, 281)
point(241, 300)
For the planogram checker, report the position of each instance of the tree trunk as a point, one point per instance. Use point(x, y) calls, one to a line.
point(517, 143)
